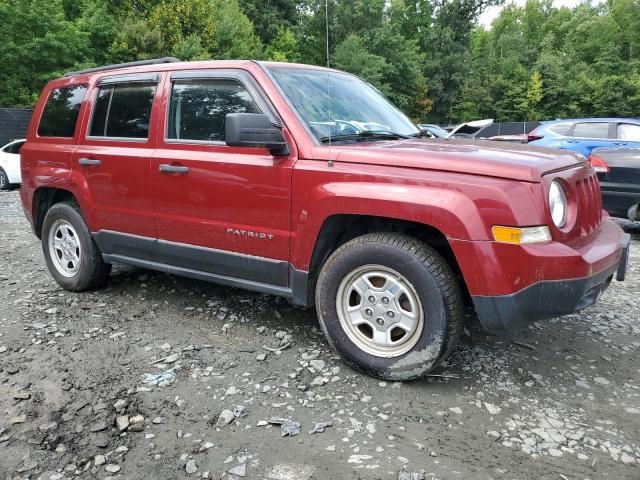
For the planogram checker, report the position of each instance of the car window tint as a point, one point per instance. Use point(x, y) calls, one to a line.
point(591, 130)
point(123, 111)
point(561, 128)
point(15, 148)
point(61, 112)
point(98, 121)
point(199, 107)
point(628, 131)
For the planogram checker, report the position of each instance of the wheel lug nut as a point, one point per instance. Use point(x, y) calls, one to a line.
point(368, 312)
point(380, 321)
point(390, 314)
point(372, 299)
point(385, 300)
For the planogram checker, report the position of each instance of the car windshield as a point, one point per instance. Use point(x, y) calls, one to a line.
point(355, 109)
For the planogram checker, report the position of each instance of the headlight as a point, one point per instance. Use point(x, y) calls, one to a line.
point(558, 204)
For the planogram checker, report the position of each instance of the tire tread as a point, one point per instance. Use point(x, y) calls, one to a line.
point(440, 269)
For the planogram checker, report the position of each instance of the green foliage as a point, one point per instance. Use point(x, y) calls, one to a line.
point(136, 40)
point(353, 56)
point(284, 47)
point(428, 56)
point(38, 44)
point(534, 95)
point(234, 37)
point(270, 17)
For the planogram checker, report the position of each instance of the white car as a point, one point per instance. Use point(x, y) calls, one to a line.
point(10, 164)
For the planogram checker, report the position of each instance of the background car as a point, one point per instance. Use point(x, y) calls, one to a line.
point(10, 164)
point(584, 134)
point(618, 170)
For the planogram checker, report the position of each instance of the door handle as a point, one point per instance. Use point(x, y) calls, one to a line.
point(166, 168)
point(88, 162)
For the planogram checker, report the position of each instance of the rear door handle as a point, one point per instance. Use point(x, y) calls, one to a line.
point(166, 168)
point(88, 162)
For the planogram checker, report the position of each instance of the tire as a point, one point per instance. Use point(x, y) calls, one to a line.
point(72, 256)
point(4, 180)
point(421, 293)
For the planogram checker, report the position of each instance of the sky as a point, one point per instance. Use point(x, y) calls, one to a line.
point(491, 13)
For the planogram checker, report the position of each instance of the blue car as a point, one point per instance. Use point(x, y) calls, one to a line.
point(584, 134)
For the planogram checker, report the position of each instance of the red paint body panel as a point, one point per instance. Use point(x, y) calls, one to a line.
point(460, 188)
point(228, 196)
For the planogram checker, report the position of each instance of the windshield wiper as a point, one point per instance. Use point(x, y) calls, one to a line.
point(364, 134)
point(422, 134)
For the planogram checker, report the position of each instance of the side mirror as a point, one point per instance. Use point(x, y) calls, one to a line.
point(254, 130)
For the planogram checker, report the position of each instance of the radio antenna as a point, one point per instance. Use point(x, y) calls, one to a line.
point(326, 18)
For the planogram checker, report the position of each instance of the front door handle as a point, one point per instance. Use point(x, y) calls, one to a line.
point(88, 162)
point(166, 168)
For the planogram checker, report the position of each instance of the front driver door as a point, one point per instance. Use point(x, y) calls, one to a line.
point(219, 209)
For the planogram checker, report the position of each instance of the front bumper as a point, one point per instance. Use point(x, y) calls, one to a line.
point(549, 298)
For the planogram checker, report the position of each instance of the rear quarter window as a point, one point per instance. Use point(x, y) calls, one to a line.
point(628, 131)
point(560, 128)
point(60, 113)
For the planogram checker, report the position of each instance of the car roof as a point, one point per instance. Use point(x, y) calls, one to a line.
point(590, 120)
point(82, 77)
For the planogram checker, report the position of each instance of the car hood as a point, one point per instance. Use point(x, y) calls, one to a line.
point(493, 159)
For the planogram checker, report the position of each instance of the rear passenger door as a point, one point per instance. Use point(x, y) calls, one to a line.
point(219, 209)
point(114, 157)
point(585, 136)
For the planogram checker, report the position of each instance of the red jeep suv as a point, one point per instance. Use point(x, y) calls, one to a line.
point(306, 182)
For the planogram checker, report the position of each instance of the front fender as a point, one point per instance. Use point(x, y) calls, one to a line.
point(448, 210)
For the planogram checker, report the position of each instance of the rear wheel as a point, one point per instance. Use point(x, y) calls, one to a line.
point(4, 180)
point(389, 305)
point(72, 256)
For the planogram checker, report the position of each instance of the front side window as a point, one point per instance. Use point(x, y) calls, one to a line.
point(199, 107)
point(61, 111)
point(591, 130)
point(628, 131)
point(123, 111)
point(338, 104)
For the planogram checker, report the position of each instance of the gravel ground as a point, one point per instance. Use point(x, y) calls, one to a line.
point(562, 401)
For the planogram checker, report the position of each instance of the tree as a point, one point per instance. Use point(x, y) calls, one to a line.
point(534, 96)
point(38, 44)
point(284, 47)
point(353, 56)
point(136, 40)
point(270, 17)
point(234, 36)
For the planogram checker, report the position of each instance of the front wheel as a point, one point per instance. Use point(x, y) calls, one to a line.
point(72, 256)
point(389, 305)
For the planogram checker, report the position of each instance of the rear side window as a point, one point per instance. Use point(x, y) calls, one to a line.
point(628, 131)
point(591, 130)
point(61, 112)
point(123, 111)
point(199, 108)
point(560, 128)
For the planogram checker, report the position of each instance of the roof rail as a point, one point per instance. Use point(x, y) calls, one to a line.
point(139, 63)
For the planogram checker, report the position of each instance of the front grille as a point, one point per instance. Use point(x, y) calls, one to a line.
point(589, 203)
